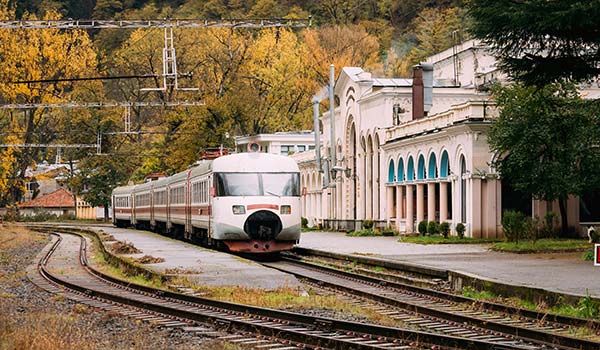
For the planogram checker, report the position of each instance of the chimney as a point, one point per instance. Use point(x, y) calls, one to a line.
point(417, 93)
point(422, 90)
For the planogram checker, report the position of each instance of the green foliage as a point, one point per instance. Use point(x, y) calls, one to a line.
point(432, 228)
point(304, 222)
point(540, 41)
point(441, 240)
point(470, 292)
point(551, 132)
point(460, 230)
point(364, 233)
point(588, 256)
point(39, 215)
point(514, 225)
point(97, 177)
point(367, 224)
point(545, 245)
point(422, 227)
point(444, 229)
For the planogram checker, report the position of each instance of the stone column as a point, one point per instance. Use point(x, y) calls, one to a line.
point(420, 203)
point(410, 227)
point(399, 205)
point(475, 195)
point(443, 201)
point(389, 204)
point(431, 202)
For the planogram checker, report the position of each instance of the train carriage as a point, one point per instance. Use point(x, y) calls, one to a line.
point(142, 205)
point(122, 206)
point(248, 202)
point(160, 216)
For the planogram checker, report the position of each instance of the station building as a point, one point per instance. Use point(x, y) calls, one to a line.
point(412, 150)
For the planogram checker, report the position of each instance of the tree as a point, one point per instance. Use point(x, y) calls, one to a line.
point(97, 177)
point(434, 30)
point(36, 55)
point(547, 142)
point(541, 41)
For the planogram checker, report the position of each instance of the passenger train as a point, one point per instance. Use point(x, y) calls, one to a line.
point(246, 202)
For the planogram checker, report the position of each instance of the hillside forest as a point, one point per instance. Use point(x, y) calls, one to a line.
point(250, 80)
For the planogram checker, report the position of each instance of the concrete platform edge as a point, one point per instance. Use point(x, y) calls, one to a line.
point(459, 279)
point(424, 270)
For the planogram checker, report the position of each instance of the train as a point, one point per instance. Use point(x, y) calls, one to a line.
point(243, 202)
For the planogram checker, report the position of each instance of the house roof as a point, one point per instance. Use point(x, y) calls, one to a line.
point(60, 198)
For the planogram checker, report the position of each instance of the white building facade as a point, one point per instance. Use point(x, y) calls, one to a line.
point(412, 150)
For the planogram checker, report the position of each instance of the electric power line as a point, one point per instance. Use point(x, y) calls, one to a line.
point(154, 23)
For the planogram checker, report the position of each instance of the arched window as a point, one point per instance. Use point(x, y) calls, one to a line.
point(410, 171)
point(391, 170)
point(463, 189)
point(400, 170)
point(432, 168)
point(445, 166)
point(421, 168)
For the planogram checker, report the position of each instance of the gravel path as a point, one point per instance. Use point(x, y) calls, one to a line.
point(34, 319)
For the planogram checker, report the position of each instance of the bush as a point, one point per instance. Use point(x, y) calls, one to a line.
point(388, 232)
point(551, 221)
point(514, 225)
point(432, 228)
point(460, 230)
point(304, 222)
point(39, 214)
point(367, 224)
point(422, 227)
point(445, 229)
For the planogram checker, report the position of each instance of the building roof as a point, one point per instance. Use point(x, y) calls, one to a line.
point(60, 198)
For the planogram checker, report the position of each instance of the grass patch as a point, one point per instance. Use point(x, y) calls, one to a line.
point(290, 299)
point(364, 233)
point(543, 246)
point(437, 239)
point(470, 292)
point(585, 308)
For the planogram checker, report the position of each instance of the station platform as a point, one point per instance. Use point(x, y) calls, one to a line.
point(564, 273)
point(200, 265)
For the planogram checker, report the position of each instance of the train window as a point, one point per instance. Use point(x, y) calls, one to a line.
point(257, 184)
point(281, 184)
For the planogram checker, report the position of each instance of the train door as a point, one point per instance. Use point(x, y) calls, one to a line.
point(132, 202)
point(188, 208)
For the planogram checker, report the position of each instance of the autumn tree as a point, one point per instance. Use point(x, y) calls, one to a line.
point(434, 32)
point(31, 55)
point(342, 46)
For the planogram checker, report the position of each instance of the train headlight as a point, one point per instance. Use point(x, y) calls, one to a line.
point(238, 209)
point(285, 209)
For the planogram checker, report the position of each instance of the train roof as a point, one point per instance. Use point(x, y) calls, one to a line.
point(254, 162)
point(123, 190)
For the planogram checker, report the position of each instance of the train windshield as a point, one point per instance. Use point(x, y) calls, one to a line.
point(257, 184)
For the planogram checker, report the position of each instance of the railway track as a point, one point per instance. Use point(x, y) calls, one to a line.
point(261, 328)
point(439, 312)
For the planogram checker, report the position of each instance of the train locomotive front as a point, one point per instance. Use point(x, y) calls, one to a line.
point(256, 202)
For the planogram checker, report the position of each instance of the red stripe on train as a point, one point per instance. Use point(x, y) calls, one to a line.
point(263, 206)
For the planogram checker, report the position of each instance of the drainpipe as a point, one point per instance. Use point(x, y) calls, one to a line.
point(331, 110)
point(317, 134)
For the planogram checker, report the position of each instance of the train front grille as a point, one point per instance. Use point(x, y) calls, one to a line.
point(263, 225)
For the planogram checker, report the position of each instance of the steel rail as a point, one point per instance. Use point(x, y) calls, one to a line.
point(241, 314)
point(520, 332)
point(482, 304)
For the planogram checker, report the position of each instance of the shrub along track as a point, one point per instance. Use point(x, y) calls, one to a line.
point(435, 311)
point(252, 326)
